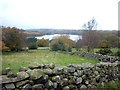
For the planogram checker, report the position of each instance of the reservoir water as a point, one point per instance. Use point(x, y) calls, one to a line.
point(50, 37)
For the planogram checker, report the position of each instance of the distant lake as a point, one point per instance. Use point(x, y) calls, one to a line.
point(50, 37)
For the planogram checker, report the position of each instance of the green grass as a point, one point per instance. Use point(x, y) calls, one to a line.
point(114, 50)
point(113, 85)
point(17, 59)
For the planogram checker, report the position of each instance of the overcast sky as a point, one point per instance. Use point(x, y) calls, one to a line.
point(58, 14)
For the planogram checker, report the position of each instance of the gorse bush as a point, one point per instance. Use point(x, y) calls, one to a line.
point(62, 43)
point(43, 43)
point(60, 46)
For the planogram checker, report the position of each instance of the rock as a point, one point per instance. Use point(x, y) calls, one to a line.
point(34, 65)
point(46, 89)
point(48, 72)
point(64, 82)
point(79, 80)
point(31, 82)
point(11, 74)
point(70, 65)
point(1, 85)
point(66, 88)
point(87, 65)
point(18, 84)
point(80, 73)
point(83, 87)
point(51, 66)
point(93, 81)
point(38, 87)
point(72, 80)
point(93, 86)
point(49, 84)
point(6, 70)
point(10, 86)
point(71, 70)
point(84, 77)
point(56, 78)
point(55, 85)
point(75, 74)
point(35, 74)
point(22, 69)
point(59, 70)
point(54, 71)
point(96, 72)
point(73, 87)
point(22, 75)
point(5, 80)
point(45, 66)
point(65, 71)
point(27, 87)
point(17, 89)
point(89, 86)
point(3, 88)
point(46, 77)
point(86, 82)
point(97, 78)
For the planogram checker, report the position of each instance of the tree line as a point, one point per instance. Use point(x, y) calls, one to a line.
point(14, 39)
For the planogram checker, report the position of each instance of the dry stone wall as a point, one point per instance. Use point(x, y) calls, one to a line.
point(54, 77)
point(100, 57)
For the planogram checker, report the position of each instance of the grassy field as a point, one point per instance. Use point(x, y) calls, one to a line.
point(17, 59)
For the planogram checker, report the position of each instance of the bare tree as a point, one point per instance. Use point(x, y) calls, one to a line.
point(90, 26)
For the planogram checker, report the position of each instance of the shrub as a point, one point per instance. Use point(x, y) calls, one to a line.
point(33, 46)
point(104, 44)
point(69, 49)
point(31, 40)
point(61, 44)
point(43, 43)
point(117, 53)
point(104, 51)
point(3, 48)
point(32, 43)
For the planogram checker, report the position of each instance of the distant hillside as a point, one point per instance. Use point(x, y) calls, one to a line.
point(40, 32)
point(56, 31)
point(32, 33)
